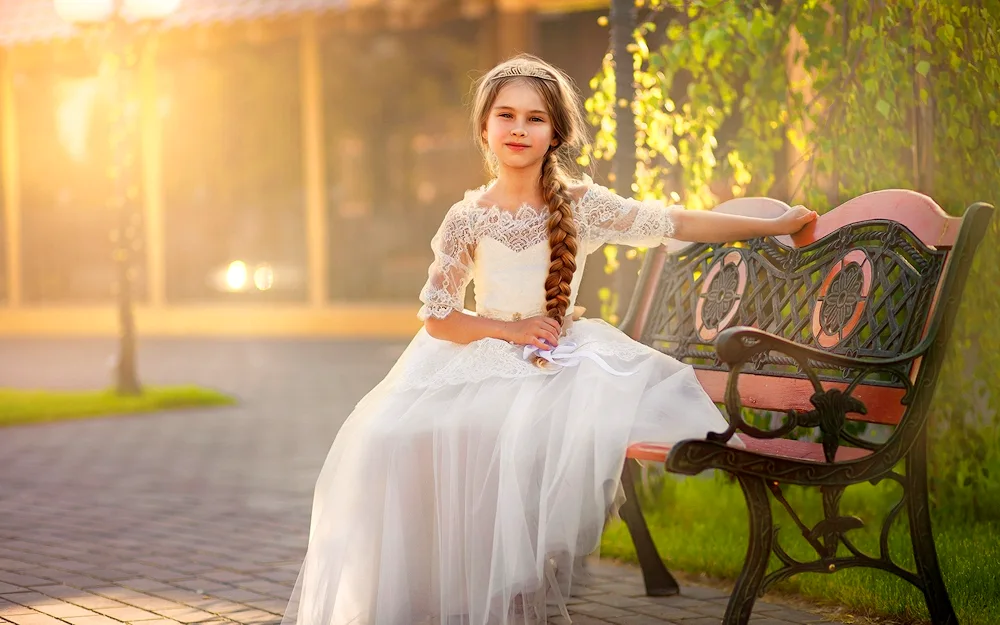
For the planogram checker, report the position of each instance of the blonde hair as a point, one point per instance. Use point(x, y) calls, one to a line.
point(563, 105)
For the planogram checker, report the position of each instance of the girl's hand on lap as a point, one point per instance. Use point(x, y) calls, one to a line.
point(540, 331)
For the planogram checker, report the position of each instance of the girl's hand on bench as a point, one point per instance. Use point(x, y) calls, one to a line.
point(794, 219)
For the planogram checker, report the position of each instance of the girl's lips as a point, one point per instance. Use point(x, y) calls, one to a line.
point(517, 147)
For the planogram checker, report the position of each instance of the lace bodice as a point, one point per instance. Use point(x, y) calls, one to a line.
point(506, 254)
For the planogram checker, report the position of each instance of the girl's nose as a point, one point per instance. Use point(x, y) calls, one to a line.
point(519, 132)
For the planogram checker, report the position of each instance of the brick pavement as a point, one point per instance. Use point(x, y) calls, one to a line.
point(202, 516)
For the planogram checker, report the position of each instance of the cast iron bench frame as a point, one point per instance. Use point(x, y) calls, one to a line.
point(848, 320)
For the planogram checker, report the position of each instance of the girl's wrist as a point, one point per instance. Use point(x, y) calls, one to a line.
point(502, 330)
point(773, 227)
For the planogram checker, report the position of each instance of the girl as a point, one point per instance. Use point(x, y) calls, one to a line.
point(463, 486)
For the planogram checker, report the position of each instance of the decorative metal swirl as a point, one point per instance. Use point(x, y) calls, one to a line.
point(842, 298)
point(720, 295)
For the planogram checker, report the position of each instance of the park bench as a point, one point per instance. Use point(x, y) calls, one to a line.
point(845, 322)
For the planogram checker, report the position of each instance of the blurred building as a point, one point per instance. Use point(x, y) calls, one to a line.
point(294, 159)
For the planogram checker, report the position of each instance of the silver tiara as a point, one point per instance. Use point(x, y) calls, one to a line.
point(517, 71)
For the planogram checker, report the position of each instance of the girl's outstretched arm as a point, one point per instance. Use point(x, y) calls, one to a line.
point(710, 227)
point(609, 218)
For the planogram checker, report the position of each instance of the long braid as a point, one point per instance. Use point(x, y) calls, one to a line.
point(562, 238)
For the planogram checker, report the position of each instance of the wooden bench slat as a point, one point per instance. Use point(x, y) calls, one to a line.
point(768, 392)
point(776, 447)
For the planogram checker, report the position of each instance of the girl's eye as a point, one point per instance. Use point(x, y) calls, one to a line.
point(537, 119)
point(508, 115)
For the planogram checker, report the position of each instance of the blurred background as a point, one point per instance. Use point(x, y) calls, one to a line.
point(286, 162)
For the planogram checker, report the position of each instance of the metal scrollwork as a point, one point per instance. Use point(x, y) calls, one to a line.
point(842, 293)
point(720, 295)
point(830, 415)
point(842, 298)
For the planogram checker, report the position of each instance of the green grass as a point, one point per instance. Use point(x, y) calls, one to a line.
point(700, 528)
point(35, 406)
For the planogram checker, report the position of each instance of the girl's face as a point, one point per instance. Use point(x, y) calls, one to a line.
point(518, 127)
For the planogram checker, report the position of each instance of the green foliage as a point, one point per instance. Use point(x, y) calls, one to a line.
point(22, 406)
point(817, 102)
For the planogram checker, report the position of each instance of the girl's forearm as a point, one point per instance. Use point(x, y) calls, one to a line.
point(459, 327)
point(709, 227)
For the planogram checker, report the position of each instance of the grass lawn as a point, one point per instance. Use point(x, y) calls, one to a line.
point(700, 527)
point(23, 406)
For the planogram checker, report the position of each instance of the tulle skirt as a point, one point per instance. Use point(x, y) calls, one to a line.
point(462, 488)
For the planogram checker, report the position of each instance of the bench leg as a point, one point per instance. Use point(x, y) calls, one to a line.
point(748, 584)
point(659, 581)
point(924, 552)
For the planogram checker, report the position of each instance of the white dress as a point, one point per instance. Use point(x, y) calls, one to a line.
point(462, 484)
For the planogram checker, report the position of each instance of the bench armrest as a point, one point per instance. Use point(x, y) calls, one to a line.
point(739, 345)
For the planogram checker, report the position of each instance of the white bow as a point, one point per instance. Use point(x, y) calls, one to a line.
point(565, 355)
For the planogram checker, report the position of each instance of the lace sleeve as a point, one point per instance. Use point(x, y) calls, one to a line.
point(451, 271)
point(610, 218)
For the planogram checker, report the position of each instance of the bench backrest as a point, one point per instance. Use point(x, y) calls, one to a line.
point(867, 279)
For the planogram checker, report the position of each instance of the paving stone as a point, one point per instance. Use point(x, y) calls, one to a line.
point(599, 610)
point(109, 575)
point(665, 612)
point(636, 619)
point(185, 614)
point(93, 602)
point(16, 579)
point(266, 587)
point(144, 584)
point(30, 599)
point(677, 601)
point(705, 593)
point(82, 581)
point(93, 619)
point(239, 595)
point(57, 591)
point(202, 586)
point(127, 614)
point(251, 616)
point(63, 610)
point(227, 576)
point(624, 589)
point(9, 607)
point(274, 606)
point(181, 595)
point(12, 565)
point(709, 609)
point(223, 607)
point(578, 619)
point(33, 619)
point(619, 601)
point(153, 604)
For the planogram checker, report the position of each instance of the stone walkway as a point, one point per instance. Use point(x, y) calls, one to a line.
point(202, 516)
